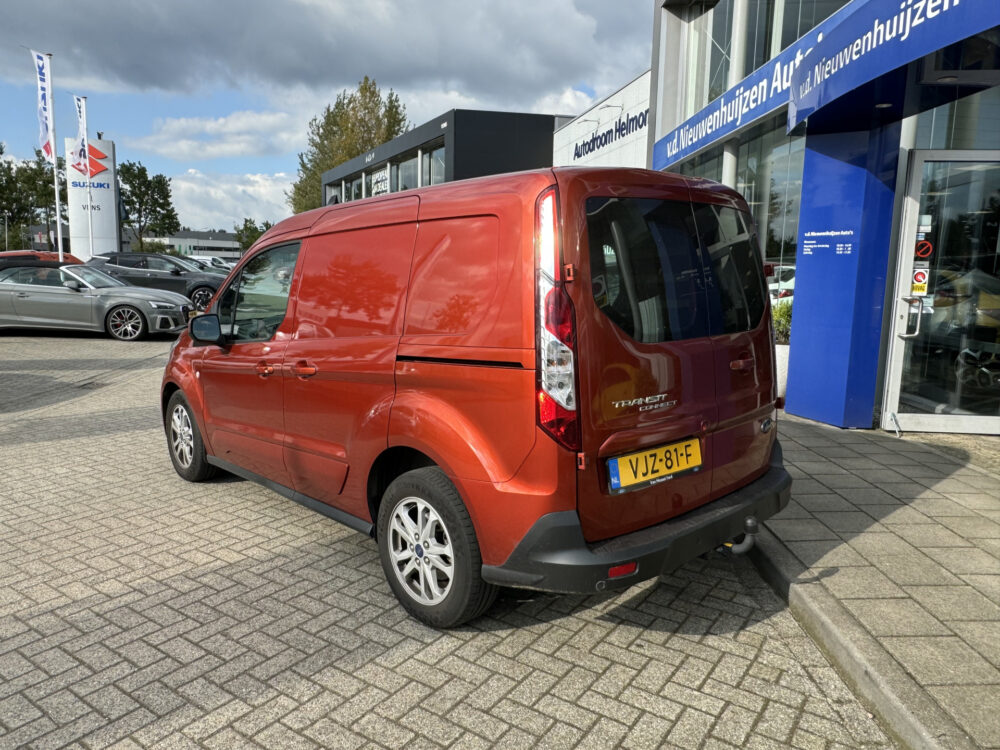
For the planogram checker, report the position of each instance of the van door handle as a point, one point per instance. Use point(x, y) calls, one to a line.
point(741, 365)
point(263, 369)
point(303, 369)
point(22, 295)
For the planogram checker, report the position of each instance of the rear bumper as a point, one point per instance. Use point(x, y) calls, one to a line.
point(553, 555)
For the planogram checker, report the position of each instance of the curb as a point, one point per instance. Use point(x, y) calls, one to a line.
point(903, 707)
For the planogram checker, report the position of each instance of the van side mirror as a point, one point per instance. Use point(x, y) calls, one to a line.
point(72, 284)
point(205, 329)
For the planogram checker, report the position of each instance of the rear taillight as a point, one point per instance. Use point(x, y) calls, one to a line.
point(785, 293)
point(555, 336)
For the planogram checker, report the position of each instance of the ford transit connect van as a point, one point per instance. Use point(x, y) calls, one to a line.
point(558, 380)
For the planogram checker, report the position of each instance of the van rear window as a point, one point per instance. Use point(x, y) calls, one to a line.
point(662, 272)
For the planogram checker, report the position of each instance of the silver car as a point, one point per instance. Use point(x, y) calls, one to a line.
point(84, 298)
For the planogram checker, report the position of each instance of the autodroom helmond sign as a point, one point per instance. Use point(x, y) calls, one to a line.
point(814, 71)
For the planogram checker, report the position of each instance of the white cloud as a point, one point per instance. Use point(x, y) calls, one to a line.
point(220, 201)
point(248, 134)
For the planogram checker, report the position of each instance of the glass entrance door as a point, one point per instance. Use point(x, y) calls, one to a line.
point(945, 356)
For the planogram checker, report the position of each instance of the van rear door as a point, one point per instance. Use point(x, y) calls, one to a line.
point(674, 353)
point(646, 361)
point(744, 368)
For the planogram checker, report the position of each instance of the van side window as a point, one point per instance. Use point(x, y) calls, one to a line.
point(728, 239)
point(645, 268)
point(253, 305)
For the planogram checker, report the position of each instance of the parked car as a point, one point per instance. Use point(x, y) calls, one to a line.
point(782, 283)
point(558, 380)
point(194, 264)
point(37, 255)
point(43, 294)
point(214, 261)
point(161, 272)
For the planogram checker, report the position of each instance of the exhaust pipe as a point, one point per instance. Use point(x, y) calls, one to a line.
point(750, 531)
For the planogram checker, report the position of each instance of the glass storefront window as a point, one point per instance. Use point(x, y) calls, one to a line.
point(354, 189)
point(798, 17)
point(969, 123)
point(707, 165)
point(393, 178)
point(758, 34)
point(710, 40)
point(769, 176)
point(433, 166)
point(408, 173)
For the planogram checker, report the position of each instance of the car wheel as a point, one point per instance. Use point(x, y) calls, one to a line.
point(126, 323)
point(201, 296)
point(187, 451)
point(428, 548)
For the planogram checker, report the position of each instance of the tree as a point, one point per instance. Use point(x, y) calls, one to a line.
point(357, 122)
point(147, 202)
point(27, 197)
point(249, 232)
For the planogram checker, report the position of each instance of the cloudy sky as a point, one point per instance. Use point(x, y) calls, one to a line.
point(217, 94)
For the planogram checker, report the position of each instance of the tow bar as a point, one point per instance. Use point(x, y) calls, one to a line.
point(750, 531)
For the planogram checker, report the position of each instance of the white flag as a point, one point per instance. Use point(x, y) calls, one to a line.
point(44, 105)
point(80, 159)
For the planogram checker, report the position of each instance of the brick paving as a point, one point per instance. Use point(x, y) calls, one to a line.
point(137, 610)
point(904, 542)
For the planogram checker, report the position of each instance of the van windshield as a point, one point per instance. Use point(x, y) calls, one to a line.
point(664, 272)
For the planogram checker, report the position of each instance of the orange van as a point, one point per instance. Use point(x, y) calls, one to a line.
point(558, 380)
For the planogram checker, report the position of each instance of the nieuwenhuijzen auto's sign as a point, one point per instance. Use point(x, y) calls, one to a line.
point(862, 41)
point(879, 37)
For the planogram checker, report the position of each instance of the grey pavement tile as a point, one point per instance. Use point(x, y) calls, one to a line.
point(931, 535)
point(800, 530)
point(937, 507)
point(981, 501)
point(955, 603)
point(897, 515)
point(987, 585)
point(984, 637)
point(914, 569)
point(861, 583)
point(971, 527)
point(849, 521)
point(868, 496)
point(966, 560)
point(977, 708)
point(823, 502)
point(842, 481)
point(883, 617)
point(871, 544)
point(825, 554)
point(941, 660)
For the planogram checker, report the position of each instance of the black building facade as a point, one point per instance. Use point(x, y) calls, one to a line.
point(459, 144)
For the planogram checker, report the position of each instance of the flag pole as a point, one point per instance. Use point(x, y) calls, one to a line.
point(90, 194)
point(55, 165)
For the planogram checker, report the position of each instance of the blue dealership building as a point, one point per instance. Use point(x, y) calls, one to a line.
point(865, 135)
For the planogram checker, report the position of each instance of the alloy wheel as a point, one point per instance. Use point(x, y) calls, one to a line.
point(421, 551)
point(181, 436)
point(125, 323)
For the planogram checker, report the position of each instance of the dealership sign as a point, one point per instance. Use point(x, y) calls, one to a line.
point(879, 37)
point(91, 187)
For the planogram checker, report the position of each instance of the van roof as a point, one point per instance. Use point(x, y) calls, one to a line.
point(528, 181)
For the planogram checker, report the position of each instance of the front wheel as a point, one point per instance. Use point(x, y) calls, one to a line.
point(126, 323)
point(429, 552)
point(201, 296)
point(187, 450)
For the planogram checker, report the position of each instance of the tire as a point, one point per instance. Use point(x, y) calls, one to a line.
point(126, 323)
point(429, 553)
point(201, 296)
point(184, 443)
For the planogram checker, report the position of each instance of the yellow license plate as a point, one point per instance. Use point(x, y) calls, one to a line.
point(654, 464)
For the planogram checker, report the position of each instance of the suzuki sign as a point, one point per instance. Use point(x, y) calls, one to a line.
point(97, 190)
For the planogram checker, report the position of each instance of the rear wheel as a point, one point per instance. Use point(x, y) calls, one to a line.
point(428, 548)
point(126, 323)
point(187, 451)
point(201, 296)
